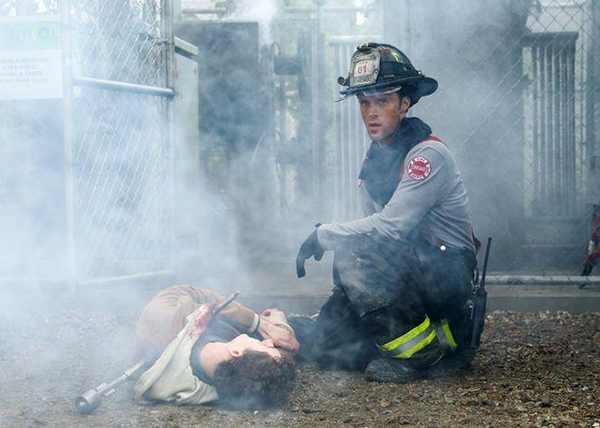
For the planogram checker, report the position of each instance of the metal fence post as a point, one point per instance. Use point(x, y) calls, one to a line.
point(68, 147)
point(169, 125)
point(318, 111)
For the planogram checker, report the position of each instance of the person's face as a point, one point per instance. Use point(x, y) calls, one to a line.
point(382, 114)
point(243, 342)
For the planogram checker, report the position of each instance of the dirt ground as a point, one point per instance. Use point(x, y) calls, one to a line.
point(532, 370)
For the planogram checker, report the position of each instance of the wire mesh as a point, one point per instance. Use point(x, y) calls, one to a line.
point(121, 40)
point(122, 183)
point(121, 140)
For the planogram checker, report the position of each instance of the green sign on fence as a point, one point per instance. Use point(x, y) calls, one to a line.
point(30, 58)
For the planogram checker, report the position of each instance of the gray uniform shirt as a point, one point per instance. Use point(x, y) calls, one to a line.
point(430, 191)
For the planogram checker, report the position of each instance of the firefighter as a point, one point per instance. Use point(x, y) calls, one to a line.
point(403, 273)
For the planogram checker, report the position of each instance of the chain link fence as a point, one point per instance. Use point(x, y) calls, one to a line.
point(111, 162)
point(121, 136)
point(517, 105)
point(120, 40)
point(122, 182)
point(518, 116)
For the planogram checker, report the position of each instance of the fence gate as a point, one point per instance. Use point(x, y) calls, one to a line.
point(119, 166)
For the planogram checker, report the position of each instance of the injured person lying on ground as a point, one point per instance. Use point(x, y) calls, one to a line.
point(239, 358)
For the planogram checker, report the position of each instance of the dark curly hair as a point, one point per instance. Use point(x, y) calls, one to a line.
point(255, 381)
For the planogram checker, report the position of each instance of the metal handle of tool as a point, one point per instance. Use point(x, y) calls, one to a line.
point(480, 301)
point(90, 400)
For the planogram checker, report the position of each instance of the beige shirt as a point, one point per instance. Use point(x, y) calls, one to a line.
point(171, 378)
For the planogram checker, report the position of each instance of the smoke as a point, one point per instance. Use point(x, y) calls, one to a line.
point(126, 213)
point(238, 217)
point(262, 12)
point(476, 55)
point(211, 209)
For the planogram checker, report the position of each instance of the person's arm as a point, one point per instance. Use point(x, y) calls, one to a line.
point(274, 326)
point(165, 315)
point(239, 315)
point(423, 185)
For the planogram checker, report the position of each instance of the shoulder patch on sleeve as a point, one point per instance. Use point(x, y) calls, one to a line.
point(419, 168)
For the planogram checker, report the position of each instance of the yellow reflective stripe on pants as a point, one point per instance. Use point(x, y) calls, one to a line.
point(444, 336)
point(419, 337)
point(413, 341)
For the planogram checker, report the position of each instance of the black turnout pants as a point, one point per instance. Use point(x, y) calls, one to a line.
point(383, 289)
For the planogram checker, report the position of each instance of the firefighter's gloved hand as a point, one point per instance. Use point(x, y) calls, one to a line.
point(309, 248)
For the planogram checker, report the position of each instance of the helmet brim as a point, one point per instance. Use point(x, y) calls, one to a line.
point(421, 86)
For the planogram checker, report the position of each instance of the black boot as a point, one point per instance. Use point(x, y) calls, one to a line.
point(391, 370)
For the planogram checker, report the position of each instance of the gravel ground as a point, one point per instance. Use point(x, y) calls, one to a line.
point(532, 370)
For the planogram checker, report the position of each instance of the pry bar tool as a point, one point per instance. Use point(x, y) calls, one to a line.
point(91, 400)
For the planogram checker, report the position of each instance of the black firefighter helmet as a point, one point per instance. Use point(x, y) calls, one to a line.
point(378, 68)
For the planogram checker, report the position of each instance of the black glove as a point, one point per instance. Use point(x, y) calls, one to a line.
point(310, 247)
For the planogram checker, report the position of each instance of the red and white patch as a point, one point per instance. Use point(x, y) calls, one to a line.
point(419, 168)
